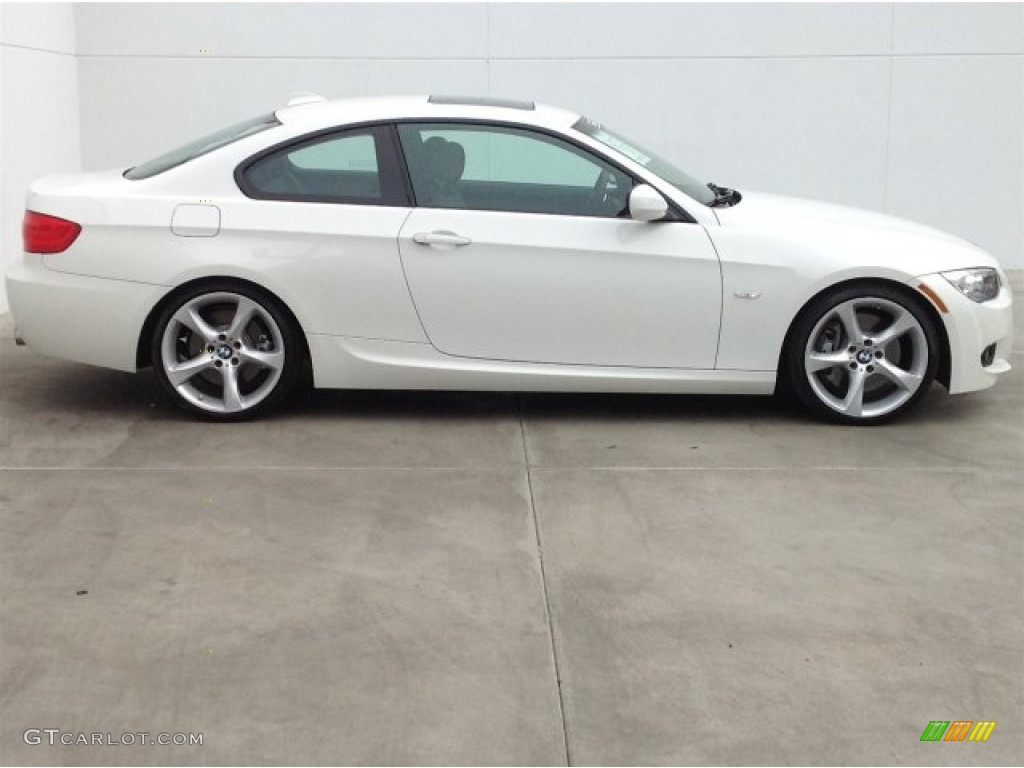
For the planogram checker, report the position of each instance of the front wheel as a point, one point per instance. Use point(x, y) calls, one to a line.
point(225, 352)
point(862, 355)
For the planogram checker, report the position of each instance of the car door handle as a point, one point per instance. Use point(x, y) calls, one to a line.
point(440, 238)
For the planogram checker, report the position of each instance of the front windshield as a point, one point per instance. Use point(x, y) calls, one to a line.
point(659, 166)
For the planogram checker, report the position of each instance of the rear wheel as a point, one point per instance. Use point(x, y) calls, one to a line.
point(863, 354)
point(226, 351)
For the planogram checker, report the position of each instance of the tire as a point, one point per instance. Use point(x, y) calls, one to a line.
point(226, 351)
point(862, 355)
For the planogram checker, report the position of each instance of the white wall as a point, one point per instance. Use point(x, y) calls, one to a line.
point(39, 125)
point(144, 62)
point(916, 110)
point(913, 109)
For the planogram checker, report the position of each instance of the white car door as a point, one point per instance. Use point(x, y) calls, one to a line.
point(519, 250)
point(321, 217)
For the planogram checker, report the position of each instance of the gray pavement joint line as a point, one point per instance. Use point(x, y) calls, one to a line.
point(506, 467)
point(544, 584)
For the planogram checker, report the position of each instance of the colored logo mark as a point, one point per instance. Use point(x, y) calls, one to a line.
point(958, 730)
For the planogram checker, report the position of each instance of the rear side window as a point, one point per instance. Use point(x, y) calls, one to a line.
point(201, 147)
point(358, 166)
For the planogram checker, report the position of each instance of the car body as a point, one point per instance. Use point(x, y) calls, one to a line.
point(479, 244)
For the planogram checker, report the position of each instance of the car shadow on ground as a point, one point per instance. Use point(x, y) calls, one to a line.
point(49, 386)
point(609, 407)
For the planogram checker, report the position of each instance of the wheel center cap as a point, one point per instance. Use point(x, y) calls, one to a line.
point(864, 356)
point(224, 352)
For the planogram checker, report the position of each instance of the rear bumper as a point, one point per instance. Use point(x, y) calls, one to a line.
point(973, 328)
point(84, 319)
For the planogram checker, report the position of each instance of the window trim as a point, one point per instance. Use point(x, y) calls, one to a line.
point(678, 214)
point(399, 197)
point(390, 126)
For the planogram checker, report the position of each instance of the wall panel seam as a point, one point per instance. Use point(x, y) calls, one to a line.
point(886, 170)
point(39, 50)
point(486, 58)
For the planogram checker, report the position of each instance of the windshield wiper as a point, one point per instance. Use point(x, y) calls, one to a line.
point(724, 196)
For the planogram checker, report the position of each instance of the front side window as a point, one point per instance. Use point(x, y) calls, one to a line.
point(201, 147)
point(499, 168)
point(355, 166)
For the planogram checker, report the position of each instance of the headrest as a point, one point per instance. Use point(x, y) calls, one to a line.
point(445, 160)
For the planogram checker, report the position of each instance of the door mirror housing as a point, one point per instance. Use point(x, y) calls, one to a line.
point(647, 204)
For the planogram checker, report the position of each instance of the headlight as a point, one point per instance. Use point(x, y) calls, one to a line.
point(980, 284)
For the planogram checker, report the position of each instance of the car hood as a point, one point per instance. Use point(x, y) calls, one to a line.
point(765, 211)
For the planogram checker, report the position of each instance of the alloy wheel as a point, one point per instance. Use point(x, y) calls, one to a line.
point(867, 357)
point(223, 353)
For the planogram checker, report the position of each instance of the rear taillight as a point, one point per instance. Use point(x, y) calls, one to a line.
point(48, 234)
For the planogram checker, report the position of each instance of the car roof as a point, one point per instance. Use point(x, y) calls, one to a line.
point(315, 110)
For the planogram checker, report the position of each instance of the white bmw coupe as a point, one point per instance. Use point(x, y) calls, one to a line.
point(484, 244)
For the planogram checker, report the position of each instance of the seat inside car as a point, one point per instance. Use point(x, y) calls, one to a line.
point(442, 165)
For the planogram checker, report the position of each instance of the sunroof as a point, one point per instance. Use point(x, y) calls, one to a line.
point(481, 101)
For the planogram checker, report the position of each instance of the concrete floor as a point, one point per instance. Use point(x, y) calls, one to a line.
point(493, 579)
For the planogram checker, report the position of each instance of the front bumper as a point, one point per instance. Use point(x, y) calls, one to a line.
point(972, 330)
point(74, 317)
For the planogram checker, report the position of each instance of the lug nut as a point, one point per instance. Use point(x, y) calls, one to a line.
point(868, 342)
point(221, 337)
point(853, 366)
point(234, 361)
point(878, 354)
point(238, 345)
point(851, 350)
point(218, 363)
point(871, 369)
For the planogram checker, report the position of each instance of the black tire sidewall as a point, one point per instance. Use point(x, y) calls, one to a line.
point(802, 328)
point(289, 337)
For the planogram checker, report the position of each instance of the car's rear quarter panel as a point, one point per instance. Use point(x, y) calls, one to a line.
point(336, 267)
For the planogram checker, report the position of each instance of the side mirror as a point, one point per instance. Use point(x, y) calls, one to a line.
point(647, 204)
